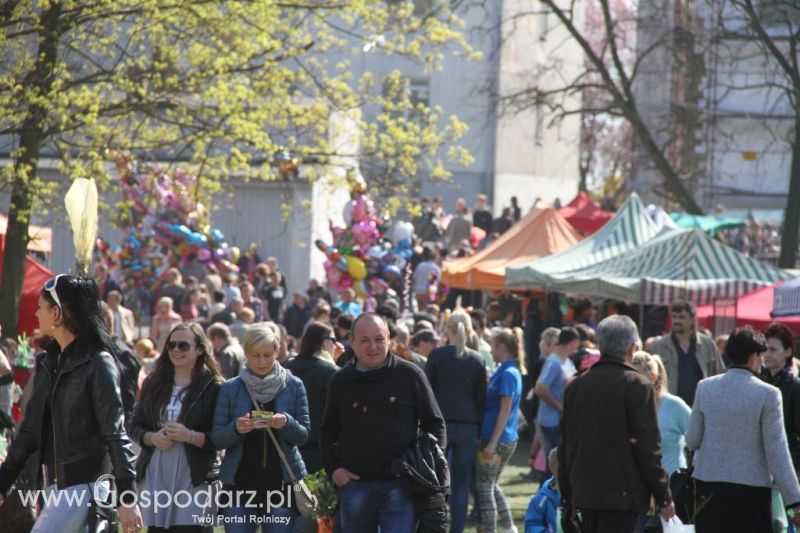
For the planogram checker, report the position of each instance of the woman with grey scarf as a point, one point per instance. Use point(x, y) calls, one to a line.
point(263, 395)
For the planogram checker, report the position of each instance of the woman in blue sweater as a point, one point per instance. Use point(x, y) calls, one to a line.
point(673, 412)
point(252, 465)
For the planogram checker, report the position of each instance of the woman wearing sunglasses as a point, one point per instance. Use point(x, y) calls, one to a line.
point(315, 366)
point(264, 395)
point(172, 422)
point(74, 418)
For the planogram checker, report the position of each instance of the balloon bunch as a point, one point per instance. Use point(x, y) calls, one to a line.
point(164, 226)
point(364, 256)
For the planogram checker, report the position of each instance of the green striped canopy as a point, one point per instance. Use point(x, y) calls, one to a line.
point(679, 264)
point(630, 228)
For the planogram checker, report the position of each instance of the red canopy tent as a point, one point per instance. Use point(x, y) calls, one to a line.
point(752, 309)
point(586, 216)
point(36, 275)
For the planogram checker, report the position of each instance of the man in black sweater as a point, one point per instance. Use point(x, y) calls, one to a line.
point(373, 412)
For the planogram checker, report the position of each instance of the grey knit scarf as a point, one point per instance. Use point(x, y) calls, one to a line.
point(265, 389)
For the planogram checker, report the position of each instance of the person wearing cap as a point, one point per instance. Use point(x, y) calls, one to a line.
point(610, 456)
point(741, 452)
point(550, 387)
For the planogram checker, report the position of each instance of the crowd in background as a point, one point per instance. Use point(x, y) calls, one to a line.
point(220, 348)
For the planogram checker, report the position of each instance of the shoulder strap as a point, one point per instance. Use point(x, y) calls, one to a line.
point(272, 436)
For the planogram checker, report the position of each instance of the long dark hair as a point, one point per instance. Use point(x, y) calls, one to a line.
point(157, 388)
point(313, 338)
point(81, 313)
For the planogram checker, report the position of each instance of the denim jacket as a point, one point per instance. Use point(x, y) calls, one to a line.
point(234, 401)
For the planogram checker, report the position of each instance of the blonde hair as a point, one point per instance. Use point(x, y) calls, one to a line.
point(145, 345)
point(165, 300)
point(549, 336)
point(512, 339)
point(653, 366)
point(259, 334)
point(246, 314)
point(459, 330)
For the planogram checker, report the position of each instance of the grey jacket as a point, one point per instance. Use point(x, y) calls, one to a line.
point(737, 431)
point(706, 353)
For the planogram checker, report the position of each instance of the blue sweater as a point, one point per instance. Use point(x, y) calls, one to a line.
point(234, 401)
point(542, 513)
point(673, 421)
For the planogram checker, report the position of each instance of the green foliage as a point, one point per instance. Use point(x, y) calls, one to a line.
point(219, 86)
point(321, 487)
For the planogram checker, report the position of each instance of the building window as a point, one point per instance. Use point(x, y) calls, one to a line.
point(779, 14)
point(538, 132)
point(418, 92)
point(423, 7)
point(542, 22)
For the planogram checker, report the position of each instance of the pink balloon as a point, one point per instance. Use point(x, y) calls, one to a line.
point(365, 234)
point(363, 209)
point(203, 255)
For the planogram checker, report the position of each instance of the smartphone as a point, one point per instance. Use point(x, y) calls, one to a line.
point(260, 415)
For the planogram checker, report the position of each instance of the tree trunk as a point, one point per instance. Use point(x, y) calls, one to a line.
point(25, 172)
point(14, 256)
point(791, 215)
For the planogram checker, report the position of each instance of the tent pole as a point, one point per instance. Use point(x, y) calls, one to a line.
point(641, 310)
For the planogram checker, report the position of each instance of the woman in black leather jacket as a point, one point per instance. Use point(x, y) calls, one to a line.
point(777, 366)
point(172, 422)
point(74, 419)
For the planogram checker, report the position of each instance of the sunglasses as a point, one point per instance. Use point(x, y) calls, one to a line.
point(51, 286)
point(182, 346)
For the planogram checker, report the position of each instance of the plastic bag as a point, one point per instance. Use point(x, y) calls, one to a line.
point(674, 525)
point(780, 523)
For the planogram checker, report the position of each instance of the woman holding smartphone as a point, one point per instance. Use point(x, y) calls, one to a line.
point(264, 395)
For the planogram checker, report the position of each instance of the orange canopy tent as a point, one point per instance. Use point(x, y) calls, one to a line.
point(36, 275)
point(541, 232)
point(584, 214)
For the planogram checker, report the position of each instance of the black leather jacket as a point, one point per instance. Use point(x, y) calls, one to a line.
point(87, 421)
point(197, 414)
point(790, 393)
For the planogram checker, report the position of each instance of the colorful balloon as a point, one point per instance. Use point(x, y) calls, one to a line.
point(356, 267)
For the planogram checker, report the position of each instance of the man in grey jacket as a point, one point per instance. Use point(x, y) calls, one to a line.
point(688, 355)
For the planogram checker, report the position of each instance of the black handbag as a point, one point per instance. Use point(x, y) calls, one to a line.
point(101, 518)
point(683, 487)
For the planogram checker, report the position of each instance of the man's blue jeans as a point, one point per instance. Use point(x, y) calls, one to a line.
point(367, 505)
point(462, 448)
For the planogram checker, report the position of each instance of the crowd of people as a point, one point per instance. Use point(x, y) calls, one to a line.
point(239, 389)
point(196, 408)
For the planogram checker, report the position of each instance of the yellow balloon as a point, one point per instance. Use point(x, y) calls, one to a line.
point(356, 267)
point(235, 254)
